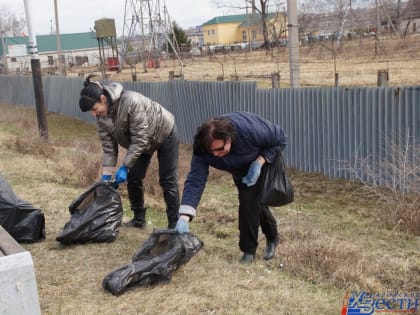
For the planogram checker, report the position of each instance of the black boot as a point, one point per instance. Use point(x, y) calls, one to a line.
point(139, 219)
point(270, 249)
point(247, 258)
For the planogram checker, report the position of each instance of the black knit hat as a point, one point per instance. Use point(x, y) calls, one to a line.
point(90, 94)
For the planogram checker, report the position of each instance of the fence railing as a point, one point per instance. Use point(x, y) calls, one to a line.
point(325, 126)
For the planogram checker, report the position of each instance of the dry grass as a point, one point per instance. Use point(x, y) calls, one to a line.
point(332, 240)
point(357, 62)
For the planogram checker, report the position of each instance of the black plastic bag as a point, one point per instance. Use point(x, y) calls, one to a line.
point(95, 216)
point(277, 190)
point(155, 261)
point(24, 222)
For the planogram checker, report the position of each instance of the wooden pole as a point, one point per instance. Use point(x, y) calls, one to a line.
point(275, 80)
point(383, 77)
point(293, 43)
point(37, 77)
point(57, 32)
point(171, 75)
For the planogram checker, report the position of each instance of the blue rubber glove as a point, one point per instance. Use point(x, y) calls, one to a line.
point(121, 175)
point(106, 178)
point(182, 226)
point(254, 172)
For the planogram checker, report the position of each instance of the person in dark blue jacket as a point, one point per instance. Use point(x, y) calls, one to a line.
point(239, 143)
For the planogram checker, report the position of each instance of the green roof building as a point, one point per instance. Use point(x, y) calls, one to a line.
point(48, 43)
point(76, 49)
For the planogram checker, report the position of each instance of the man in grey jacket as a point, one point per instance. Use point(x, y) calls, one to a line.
point(142, 126)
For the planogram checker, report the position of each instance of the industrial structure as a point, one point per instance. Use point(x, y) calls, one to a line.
point(146, 30)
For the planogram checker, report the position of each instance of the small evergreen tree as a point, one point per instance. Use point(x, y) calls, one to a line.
point(178, 38)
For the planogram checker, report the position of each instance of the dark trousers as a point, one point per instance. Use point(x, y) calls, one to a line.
point(167, 155)
point(252, 215)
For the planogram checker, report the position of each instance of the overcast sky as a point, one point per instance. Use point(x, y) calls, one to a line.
point(76, 16)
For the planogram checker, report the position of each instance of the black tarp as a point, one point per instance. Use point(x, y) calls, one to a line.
point(155, 261)
point(96, 216)
point(24, 222)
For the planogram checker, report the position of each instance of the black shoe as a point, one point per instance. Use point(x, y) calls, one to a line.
point(270, 249)
point(171, 225)
point(247, 258)
point(135, 223)
point(139, 219)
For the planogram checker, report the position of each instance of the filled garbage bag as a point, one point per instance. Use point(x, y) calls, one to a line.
point(277, 190)
point(155, 261)
point(24, 222)
point(95, 216)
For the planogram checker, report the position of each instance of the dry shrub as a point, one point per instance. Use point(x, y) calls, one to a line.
point(400, 210)
point(30, 144)
point(78, 164)
point(320, 258)
point(395, 183)
point(20, 116)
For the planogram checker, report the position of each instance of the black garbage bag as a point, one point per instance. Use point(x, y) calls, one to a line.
point(95, 216)
point(155, 261)
point(24, 222)
point(277, 190)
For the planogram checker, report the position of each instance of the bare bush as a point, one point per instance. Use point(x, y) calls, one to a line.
point(78, 164)
point(395, 182)
point(30, 144)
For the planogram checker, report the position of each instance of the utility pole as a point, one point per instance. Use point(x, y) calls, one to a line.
point(36, 76)
point(4, 45)
point(293, 43)
point(57, 32)
point(378, 20)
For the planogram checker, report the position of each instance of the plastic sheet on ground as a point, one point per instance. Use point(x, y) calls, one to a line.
point(155, 261)
point(95, 216)
point(24, 222)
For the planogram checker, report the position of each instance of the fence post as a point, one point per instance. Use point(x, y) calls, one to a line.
point(275, 80)
point(171, 75)
point(383, 77)
point(336, 79)
point(220, 78)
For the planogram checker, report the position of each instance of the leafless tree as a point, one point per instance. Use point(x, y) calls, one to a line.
point(411, 10)
point(10, 25)
point(260, 7)
point(399, 14)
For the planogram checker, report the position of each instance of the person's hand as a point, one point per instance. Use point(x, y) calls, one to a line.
point(254, 172)
point(121, 175)
point(182, 224)
point(106, 178)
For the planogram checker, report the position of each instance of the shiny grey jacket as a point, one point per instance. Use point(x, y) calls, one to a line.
point(135, 122)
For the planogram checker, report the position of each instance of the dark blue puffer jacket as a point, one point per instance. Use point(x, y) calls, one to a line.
point(255, 136)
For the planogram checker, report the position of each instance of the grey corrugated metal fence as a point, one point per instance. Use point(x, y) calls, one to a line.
point(325, 126)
